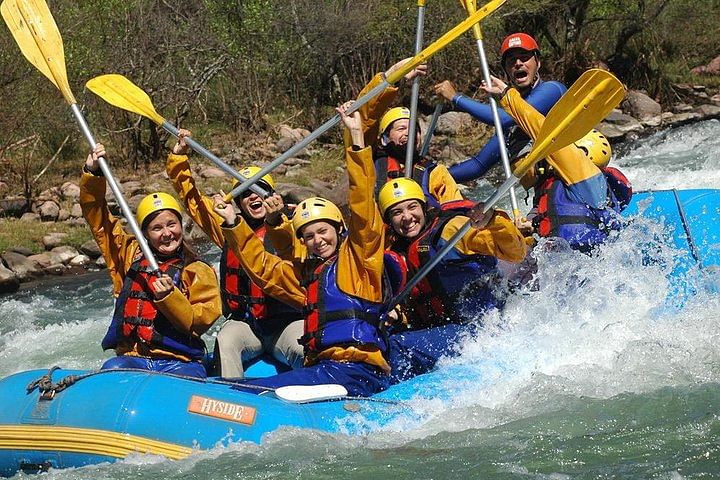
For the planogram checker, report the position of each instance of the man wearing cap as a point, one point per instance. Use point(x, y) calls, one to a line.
point(257, 323)
point(520, 60)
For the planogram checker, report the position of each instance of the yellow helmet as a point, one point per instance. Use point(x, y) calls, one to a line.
point(398, 190)
point(154, 203)
point(392, 115)
point(315, 208)
point(251, 170)
point(596, 147)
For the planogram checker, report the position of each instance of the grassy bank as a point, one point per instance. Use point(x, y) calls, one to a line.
point(18, 233)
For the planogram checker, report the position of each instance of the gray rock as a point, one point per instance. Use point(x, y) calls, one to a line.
point(22, 251)
point(132, 188)
point(640, 106)
point(715, 99)
point(9, 282)
point(65, 253)
point(30, 217)
point(91, 249)
point(212, 172)
point(652, 122)
point(683, 118)
point(708, 111)
point(23, 267)
point(681, 108)
point(70, 190)
point(284, 144)
point(13, 206)
point(610, 131)
point(76, 211)
point(80, 261)
point(100, 262)
point(451, 123)
point(63, 215)
point(50, 262)
point(49, 211)
point(625, 123)
point(134, 201)
point(54, 239)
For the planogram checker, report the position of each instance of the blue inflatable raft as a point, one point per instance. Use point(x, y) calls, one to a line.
point(64, 418)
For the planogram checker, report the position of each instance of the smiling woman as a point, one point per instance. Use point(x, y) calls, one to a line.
point(159, 314)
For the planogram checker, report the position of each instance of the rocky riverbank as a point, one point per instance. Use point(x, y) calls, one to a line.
point(639, 116)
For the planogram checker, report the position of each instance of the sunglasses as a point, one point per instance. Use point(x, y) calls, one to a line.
point(522, 56)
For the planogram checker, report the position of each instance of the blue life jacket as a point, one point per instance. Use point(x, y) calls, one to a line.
point(460, 287)
point(137, 318)
point(243, 300)
point(334, 318)
point(584, 227)
point(387, 168)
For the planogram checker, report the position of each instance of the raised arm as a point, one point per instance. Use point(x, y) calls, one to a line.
point(198, 206)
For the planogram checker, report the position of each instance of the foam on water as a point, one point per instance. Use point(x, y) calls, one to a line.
point(685, 157)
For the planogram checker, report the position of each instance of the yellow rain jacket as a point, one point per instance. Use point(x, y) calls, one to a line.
point(569, 163)
point(359, 258)
point(441, 184)
point(201, 210)
point(192, 310)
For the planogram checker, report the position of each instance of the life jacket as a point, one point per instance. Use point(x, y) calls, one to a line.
point(584, 227)
point(387, 168)
point(459, 287)
point(136, 318)
point(334, 318)
point(619, 186)
point(245, 301)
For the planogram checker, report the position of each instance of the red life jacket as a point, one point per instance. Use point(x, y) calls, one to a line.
point(436, 299)
point(561, 215)
point(245, 301)
point(137, 318)
point(387, 168)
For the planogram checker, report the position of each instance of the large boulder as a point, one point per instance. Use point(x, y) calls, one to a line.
point(13, 206)
point(54, 239)
point(65, 253)
point(91, 249)
point(451, 123)
point(712, 68)
point(623, 122)
point(49, 211)
point(23, 267)
point(30, 217)
point(641, 106)
point(9, 282)
point(50, 262)
point(70, 191)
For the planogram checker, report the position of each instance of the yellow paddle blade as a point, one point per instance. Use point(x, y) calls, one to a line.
point(122, 93)
point(36, 33)
point(445, 40)
point(571, 118)
point(471, 7)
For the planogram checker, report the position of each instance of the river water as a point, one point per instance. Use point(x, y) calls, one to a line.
point(592, 376)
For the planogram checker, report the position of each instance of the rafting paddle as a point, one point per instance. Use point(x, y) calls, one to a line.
point(122, 93)
point(470, 8)
point(588, 101)
point(418, 59)
point(36, 33)
point(410, 151)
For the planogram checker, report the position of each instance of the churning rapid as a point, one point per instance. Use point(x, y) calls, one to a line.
point(593, 374)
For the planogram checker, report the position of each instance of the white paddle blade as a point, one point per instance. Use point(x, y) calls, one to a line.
point(36, 33)
point(311, 393)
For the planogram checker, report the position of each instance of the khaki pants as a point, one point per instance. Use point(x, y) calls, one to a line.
point(237, 342)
